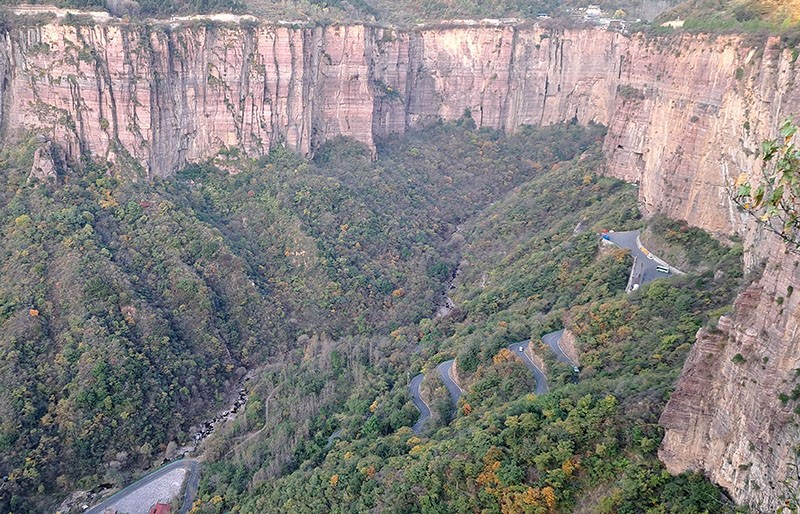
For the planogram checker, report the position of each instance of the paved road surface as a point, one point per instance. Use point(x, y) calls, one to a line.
point(541, 380)
point(163, 472)
point(336, 433)
point(553, 340)
point(419, 403)
point(644, 268)
point(444, 371)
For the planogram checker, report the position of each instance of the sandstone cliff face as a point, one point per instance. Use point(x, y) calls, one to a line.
point(691, 121)
point(170, 94)
point(165, 97)
point(685, 113)
point(695, 112)
point(685, 116)
point(725, 416)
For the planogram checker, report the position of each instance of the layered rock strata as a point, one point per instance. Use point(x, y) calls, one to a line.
point(732, 412)
point(169, 94)
point(685, 113)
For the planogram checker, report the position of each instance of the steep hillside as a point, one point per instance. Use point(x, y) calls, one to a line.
point(588, 446)
point(735, 14)
point(129, 309)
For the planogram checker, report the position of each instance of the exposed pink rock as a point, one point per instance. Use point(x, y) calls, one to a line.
point(48, 163)
point(532, 351)
point(725, 417)
point(685, 113)
point(696, 111)
point(568, 344)
point(167, 95)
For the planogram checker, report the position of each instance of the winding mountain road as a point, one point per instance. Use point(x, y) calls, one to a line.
point(518, 349)
point(645, 269)
point(419, 403)
point(445, 369)
point(190, 491)
point(553, 341)
point(151, 488)
point(645, 264)
point(331, 438)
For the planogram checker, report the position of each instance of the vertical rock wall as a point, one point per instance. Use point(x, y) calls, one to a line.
point(686, 113)
point(165, 95)
point(692, 112)
point(726, 416)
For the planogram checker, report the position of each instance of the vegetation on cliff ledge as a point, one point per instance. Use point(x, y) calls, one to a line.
point(774, 197)
point(736, 15)
point(403, 12)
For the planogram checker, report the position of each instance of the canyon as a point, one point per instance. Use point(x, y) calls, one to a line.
point(685, 115)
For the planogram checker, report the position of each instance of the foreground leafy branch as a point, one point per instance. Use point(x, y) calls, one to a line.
point(775, 199)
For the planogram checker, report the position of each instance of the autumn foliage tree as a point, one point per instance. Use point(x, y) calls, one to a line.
point(774, 197)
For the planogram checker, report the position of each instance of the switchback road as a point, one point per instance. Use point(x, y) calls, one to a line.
point(518, 349)
point(419, 403)
point(553, 340)
point(645, 265)
point(445, 370)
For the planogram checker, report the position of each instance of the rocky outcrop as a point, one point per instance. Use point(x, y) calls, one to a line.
point(48, 163)
point(537, 359)
point(732, 412)
point(454, 373)
point(568, 344)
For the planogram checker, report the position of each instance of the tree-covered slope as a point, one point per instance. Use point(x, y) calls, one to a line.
point(528, 264)
point(737, 15)
point(128, 308)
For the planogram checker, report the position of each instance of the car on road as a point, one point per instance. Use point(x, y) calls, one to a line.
point(520, 348)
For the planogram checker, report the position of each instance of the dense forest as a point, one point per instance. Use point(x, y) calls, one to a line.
point(527, 264)
point(130, 308)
